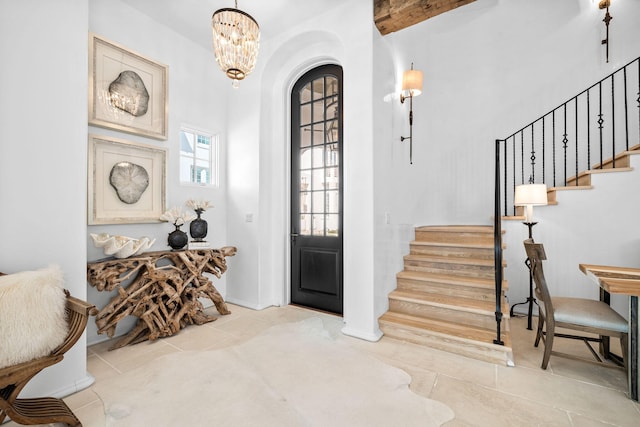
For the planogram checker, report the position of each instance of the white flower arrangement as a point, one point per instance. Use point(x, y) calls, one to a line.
point(177, 216)
point(199, 205)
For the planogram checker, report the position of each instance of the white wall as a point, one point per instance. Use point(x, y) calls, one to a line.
point(197, 98)
point(490, 67)
point(392, 236)
point(43, 155)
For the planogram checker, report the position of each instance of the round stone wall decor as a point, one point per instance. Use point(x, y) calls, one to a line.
point(128, 93)
point(129, 180)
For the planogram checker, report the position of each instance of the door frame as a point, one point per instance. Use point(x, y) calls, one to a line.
point(291, 81)
point(333, 244)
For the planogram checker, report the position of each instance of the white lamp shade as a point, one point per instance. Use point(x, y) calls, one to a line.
point(530, 195)
point(412, 82)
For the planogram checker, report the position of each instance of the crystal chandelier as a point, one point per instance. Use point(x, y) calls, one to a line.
point(236, 39)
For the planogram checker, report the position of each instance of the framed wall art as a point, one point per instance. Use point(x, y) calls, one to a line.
point(127, 91)
point(126, 181)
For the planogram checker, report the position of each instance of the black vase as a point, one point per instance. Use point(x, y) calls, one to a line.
point(177, 239)
point(198, 228)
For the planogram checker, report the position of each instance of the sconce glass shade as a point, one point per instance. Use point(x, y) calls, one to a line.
point(236, 40)
point(412, 82)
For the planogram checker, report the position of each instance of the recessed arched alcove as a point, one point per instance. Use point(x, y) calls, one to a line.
point(284, 65)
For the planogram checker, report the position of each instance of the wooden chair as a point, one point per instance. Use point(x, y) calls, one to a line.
point(43, 410)
point(579, 314)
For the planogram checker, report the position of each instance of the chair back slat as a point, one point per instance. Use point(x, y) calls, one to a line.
point(535, 256)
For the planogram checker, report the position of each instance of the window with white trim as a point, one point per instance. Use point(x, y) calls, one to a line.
point(198, 157)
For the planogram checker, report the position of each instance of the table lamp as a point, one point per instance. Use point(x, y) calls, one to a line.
point(529, 195)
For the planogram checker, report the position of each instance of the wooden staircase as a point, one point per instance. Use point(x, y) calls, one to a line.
point(445, 297)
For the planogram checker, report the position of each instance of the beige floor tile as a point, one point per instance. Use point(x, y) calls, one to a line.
point(81, 399)
point(594, 401)
point(91, 415)
point(129, 357)
point(201, 337)
point(422, 380)
point(475, 405)
point(607, 377)
point(446, 363)
point(456, 423)
point(99, 368)
point(243, 326)
point(277, 315)
point(582, 421)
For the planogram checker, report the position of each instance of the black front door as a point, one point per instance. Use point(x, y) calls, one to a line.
point(316, 189)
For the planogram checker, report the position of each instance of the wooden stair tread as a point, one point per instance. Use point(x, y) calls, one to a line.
point(570, 187)
point(450, 260)
point(596, 171)
point(478, 282)
point(482, 336)
point(459, 303)
point(454, 244)
point(457, 228)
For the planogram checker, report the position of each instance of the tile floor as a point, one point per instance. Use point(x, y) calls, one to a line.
point(569, 393)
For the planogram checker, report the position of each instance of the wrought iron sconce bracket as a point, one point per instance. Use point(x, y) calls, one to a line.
point(410, 137)
point(604, 4)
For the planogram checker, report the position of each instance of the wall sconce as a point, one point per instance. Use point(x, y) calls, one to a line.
point(411, 86)
point(604, 4)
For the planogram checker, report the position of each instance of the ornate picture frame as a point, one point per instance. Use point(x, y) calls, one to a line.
point(126, 181)
point(127, 91)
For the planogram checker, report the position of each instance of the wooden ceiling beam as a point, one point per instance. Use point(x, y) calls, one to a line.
point(395, 15)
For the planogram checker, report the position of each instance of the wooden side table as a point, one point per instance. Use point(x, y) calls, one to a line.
point(160, 288)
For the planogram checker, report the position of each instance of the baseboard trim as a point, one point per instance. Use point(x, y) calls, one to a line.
point(368, 336)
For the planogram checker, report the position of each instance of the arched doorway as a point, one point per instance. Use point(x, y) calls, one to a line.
point(316, 189)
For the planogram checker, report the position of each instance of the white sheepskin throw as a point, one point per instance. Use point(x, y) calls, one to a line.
point(32, 314)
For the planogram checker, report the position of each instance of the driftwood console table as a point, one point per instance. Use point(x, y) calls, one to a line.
point(160, 288)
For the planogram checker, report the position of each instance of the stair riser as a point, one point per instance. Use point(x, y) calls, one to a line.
point(621, 162)
point(428, 287)
point(452, 251)
point(478, 320)
point(450, 269)
point(492, 354)
point(448, 237)
point(582, 180)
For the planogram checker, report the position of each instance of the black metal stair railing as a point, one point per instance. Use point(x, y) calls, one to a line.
point(593, 126)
